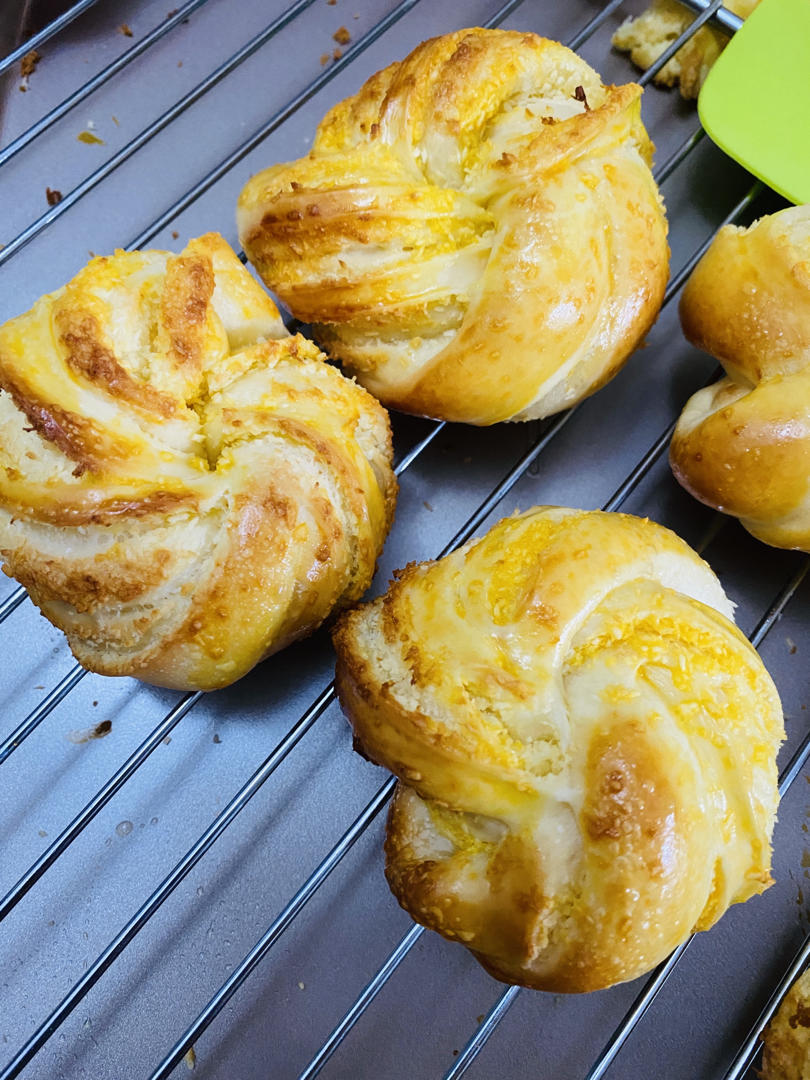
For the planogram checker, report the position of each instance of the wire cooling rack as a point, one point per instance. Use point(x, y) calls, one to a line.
point(195, 881)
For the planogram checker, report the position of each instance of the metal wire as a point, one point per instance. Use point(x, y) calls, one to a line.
point(236, 804)
point(275, 930)
point(671, 164)
point(149, 132)
point(46, 34)
point(365, 998)
point(99, 800)
point(12, 602)
point(283, 114)
point(725, 19)
point(679, 41)
point(751, 1046)
point(591, 27)
point(37, 715)
point(98, 81)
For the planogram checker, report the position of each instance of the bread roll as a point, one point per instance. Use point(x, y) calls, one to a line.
point(586, 745)
point(743, 444)
point(647, 35)
point(184, 488)
point(476, 234)
point(787, 1038)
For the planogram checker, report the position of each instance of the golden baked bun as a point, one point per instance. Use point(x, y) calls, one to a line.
point(647, 35)
point(475, 235)
point(743, 444)
point(787, 1038)
point(586, 745)
point(184, 488)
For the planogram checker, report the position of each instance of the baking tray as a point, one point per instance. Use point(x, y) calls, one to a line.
point(274, 752)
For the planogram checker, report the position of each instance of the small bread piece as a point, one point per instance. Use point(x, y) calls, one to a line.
point(476, 235)
point(184, 488)
point(743, 444)
point(586, 745)
point(786, 1055)
point(646, 36)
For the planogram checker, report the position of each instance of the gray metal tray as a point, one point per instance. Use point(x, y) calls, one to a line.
point(206, 759)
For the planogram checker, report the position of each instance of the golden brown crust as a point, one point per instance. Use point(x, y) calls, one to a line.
point(184, 488)
point(585, 745)
point(475, 234)
point(743, 445)
point(786, 1055)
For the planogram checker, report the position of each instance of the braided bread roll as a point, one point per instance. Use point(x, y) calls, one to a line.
point(743, 444)
point(476, 235)
point(586, 745)
point(184, 488)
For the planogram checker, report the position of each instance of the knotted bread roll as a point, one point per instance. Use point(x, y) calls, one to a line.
point(586, 745)
point(476, 235)
point(743, 444)
point(184, 488)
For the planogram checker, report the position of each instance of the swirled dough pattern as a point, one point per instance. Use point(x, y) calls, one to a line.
point(585, 745)
point(743, 444)
point(476, 235)
point(184, 488)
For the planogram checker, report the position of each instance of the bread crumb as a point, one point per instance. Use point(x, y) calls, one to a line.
point(426, 504)
point(104, 727)
point(29, 63)
point(300, 986)
point(791, 644)
point(172, 13)
point(115, 121)
point(336, 55)
point(324, 60)
point(89, 138)
point(342, 36)
point(175, 234)
point(331, 3)
point(125, 30)
point(53, 196)
point(190, 1059)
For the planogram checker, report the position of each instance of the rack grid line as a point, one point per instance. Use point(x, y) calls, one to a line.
point(548, 431)
point(49, 31)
